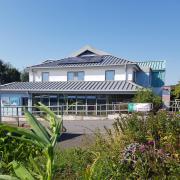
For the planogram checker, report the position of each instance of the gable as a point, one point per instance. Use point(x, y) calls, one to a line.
point(87, 53)
point(88, 49)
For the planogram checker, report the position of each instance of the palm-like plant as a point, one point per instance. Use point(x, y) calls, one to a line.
point(41, 136)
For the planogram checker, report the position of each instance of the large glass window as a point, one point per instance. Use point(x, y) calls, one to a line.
point(45, 76)
point(75, 76)
point(109, 75)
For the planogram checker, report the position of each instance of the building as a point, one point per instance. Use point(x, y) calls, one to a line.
point(89, 77)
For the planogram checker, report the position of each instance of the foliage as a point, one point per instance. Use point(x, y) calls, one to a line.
point(8, 73)
point(176, 91)
point(40, 137)
point(137, 147)
point(24, 76)
point(72, 163)
point(147, 96)
point(14, 149)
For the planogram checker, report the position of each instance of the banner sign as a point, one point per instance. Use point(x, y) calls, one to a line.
point(139, 107)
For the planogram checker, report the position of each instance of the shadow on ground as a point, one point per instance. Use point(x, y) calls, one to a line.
point(68, 136)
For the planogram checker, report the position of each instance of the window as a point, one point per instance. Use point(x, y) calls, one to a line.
point(109, 75)
point(157, 79)
point(45, 76)
point(75, 76)
point(70, 76)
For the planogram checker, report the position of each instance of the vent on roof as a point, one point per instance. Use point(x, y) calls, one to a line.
point(81, 60)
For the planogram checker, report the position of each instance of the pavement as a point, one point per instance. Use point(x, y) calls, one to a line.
point(81, 133)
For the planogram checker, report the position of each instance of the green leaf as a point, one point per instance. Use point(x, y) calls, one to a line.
point(35, 166)
point(7, 177)
point(38, 128)
point(21, 171)
point(21, 131)
point(44, 108)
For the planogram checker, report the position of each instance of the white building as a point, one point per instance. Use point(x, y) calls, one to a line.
point(89, 77)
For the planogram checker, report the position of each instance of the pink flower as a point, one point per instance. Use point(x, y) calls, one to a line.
point(142, 148)
point(150, 143)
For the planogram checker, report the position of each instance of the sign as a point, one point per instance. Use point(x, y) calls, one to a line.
point(139, 107)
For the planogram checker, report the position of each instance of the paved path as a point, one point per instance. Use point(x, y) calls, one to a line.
point(81, 133)
point(87, 127)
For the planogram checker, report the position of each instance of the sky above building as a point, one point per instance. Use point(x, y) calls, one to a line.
point(34, 31)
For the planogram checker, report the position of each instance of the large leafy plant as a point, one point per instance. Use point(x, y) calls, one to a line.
point(40, 136)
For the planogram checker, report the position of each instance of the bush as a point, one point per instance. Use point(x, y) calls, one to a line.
point(137, 147)
point(72, 163)
point(147, 96)
point(14, 149)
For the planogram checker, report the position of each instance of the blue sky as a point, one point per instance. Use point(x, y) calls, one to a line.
point(36, 30)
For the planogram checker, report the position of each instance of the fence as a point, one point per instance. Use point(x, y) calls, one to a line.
point(175, 105)
point(96, 110)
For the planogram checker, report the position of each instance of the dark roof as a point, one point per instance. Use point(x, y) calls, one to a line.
point(72, 87)
point(84, 61)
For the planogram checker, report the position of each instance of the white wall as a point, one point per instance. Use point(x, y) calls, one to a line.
point(91, 73)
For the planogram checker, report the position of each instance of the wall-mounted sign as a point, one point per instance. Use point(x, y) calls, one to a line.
point(139, 107)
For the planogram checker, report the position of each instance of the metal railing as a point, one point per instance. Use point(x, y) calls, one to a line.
point(96, 110)
point(175, 105)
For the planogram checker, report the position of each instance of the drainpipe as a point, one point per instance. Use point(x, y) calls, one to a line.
point(126, 72)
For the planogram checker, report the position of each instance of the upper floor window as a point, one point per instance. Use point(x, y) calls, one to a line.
point(45, 76)
point(75, 76)
point(109, 75)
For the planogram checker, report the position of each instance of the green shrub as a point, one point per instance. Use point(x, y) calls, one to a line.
point(14, 149)
point(72, 163)
point(140, 147)
point(147, 96)
point(39, 136)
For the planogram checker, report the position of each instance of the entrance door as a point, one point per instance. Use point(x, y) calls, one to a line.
point(24, 101)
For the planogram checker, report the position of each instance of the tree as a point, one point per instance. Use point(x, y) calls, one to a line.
point(147, 96)
point(24, 76)
point(8, 73)
point(176, 91)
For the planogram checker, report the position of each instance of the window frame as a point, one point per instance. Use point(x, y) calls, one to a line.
point(75, 75)
point(106, 75)
point(42, 79)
